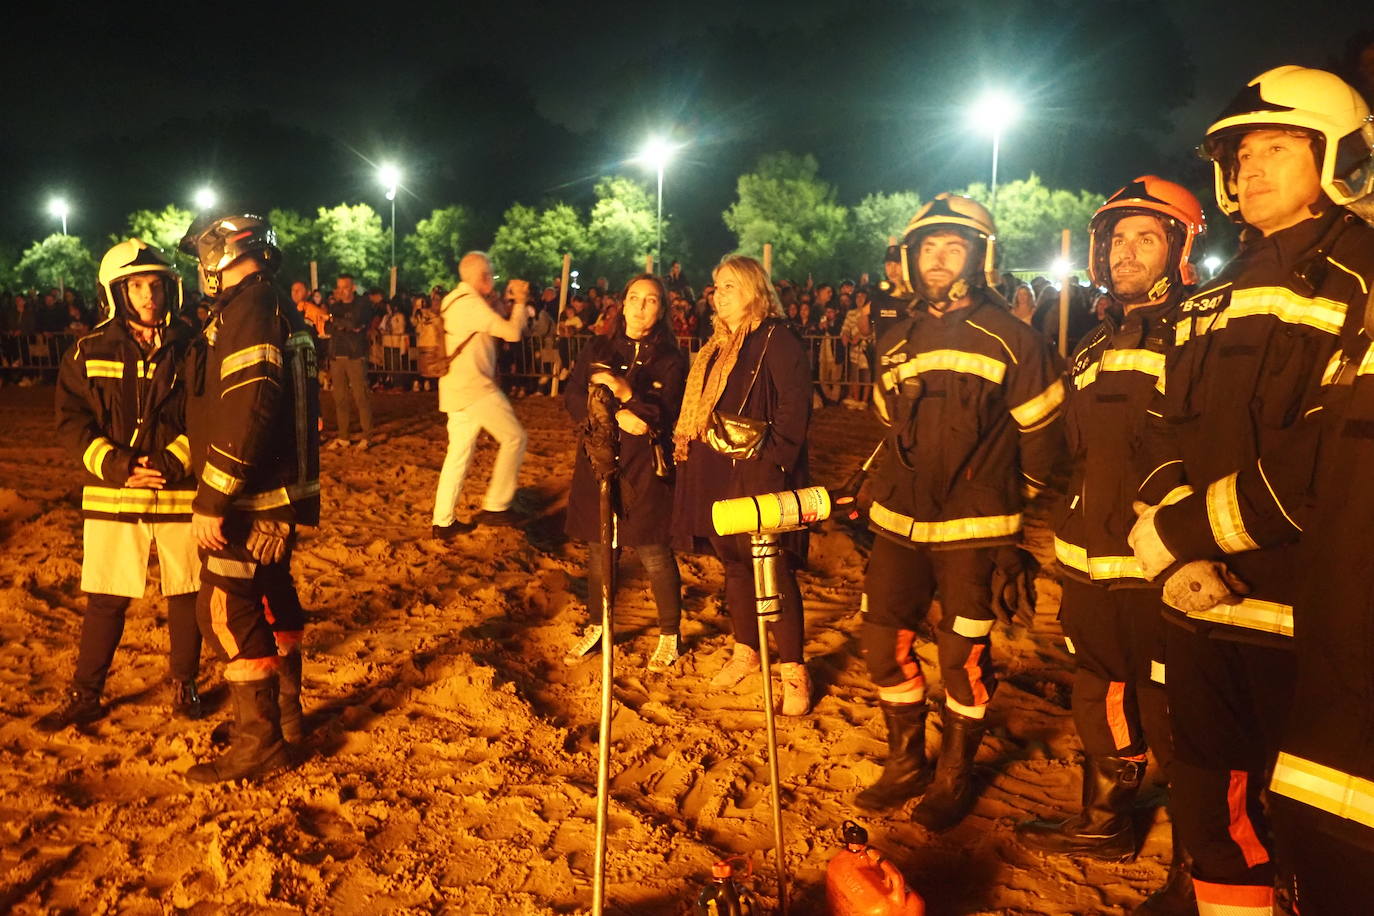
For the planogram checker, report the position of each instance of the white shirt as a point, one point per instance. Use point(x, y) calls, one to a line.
point(472, 376)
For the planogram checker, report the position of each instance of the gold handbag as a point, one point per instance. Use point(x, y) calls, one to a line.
point(736, 436)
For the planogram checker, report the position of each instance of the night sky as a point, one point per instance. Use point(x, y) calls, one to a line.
point(126, 106)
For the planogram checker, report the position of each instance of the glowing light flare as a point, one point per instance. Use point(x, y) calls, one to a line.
point(59, 208)
point(994, 112)
point(1061, 268)
point(390, 177)
point(1211, 264)
point(657, 153)
point(206, 198)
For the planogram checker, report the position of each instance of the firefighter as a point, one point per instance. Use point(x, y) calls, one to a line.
point(1254, 348)
point(972, 400)
point(1140, 243)
point(118, 410)
point(252, 413)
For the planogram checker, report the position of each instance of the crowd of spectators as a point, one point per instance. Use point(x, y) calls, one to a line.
point(398, 338)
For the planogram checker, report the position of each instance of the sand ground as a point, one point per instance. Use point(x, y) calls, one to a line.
point(453, 756)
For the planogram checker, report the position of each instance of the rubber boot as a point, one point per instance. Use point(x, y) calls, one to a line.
point(79, 706)
point(257, 748)
point(186, 701)
point(952, 792)
point(289, 698)
point(1177, 897)
point(906, 772)
point(1105, 828)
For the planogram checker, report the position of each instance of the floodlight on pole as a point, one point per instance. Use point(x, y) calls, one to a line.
point(206, 198)
point(58, 207)
point(1213, 264)
point(993, 113)
point(390, 177)
point(656, 154)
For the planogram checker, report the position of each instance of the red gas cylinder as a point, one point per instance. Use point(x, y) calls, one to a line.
point(860, 882)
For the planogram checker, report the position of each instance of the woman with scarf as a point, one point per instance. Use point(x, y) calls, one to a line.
point(640, 362)
point(752, 367)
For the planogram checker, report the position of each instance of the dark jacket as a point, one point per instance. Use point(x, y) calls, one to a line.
point(973, 403)
point(115, 406)
point(349, 322)
point(1112, 381)
point(781, 396)
point(656, 370)
point(1251, 350)
point(253, 408)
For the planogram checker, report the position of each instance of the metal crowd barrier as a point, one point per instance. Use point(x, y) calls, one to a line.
point(839, 372)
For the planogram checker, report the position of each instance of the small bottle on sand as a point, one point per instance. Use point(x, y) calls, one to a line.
point(722, 897)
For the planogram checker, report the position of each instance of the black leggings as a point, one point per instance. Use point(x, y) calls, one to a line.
point(665, 581)
point(733, 552)
point(102, 626)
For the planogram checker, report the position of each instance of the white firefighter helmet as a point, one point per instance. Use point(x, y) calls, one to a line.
point(124, 260)
point(965, 216)
point(1299, 98)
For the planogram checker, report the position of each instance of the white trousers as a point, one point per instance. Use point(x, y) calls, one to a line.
point(115, 557)
point(494, 414)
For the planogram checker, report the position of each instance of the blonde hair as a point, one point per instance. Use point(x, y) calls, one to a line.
point(749, 273)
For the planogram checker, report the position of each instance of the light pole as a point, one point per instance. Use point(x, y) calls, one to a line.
point(390, 177)
point(206, 198)
point(995, 111)
point(656, 154)
point(58, 208)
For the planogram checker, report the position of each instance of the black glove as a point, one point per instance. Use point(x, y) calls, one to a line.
point(1013, 585)
point(267, 540)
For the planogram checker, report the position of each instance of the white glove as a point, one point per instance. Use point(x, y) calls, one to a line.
point(1149, 549)
point(1201, 585)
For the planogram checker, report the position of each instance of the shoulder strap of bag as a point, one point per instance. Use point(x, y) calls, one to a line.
point(443, 333)
point(757, 366)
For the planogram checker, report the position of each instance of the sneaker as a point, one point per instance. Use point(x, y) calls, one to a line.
point(450, 531)
point(338, 443)
point(666, 653)
point(506, 518)
point(79, 707)
point(588, 642)
point(563, 375)
point(796, 689)
point(186, 701)
point(362, 445)
point(744, 662)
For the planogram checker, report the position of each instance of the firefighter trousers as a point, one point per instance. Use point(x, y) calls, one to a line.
point(1116, 637)
point(281, 604)
point(899, 587)
point(102, 626)
point(1330, 858)
point(231, 613)
point(1228, 701)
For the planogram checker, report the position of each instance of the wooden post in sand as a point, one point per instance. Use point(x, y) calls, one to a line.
point(768, 259)
point(314, 275)
point(562, 304)
point(1064, 298)
point(648, 263)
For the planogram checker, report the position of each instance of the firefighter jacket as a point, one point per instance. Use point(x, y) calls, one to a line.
point(1252, 348)
point(1316, 482)
point(1112, 382)
point(973, 403)
point(116, 404)
point(253, 408)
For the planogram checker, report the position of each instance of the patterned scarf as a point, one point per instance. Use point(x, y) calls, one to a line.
point(703, 389)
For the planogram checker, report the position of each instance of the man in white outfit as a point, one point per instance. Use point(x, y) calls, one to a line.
point(468, 393)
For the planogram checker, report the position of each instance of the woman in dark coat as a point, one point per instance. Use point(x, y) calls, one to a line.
point(641, 363)
point(756, 367)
